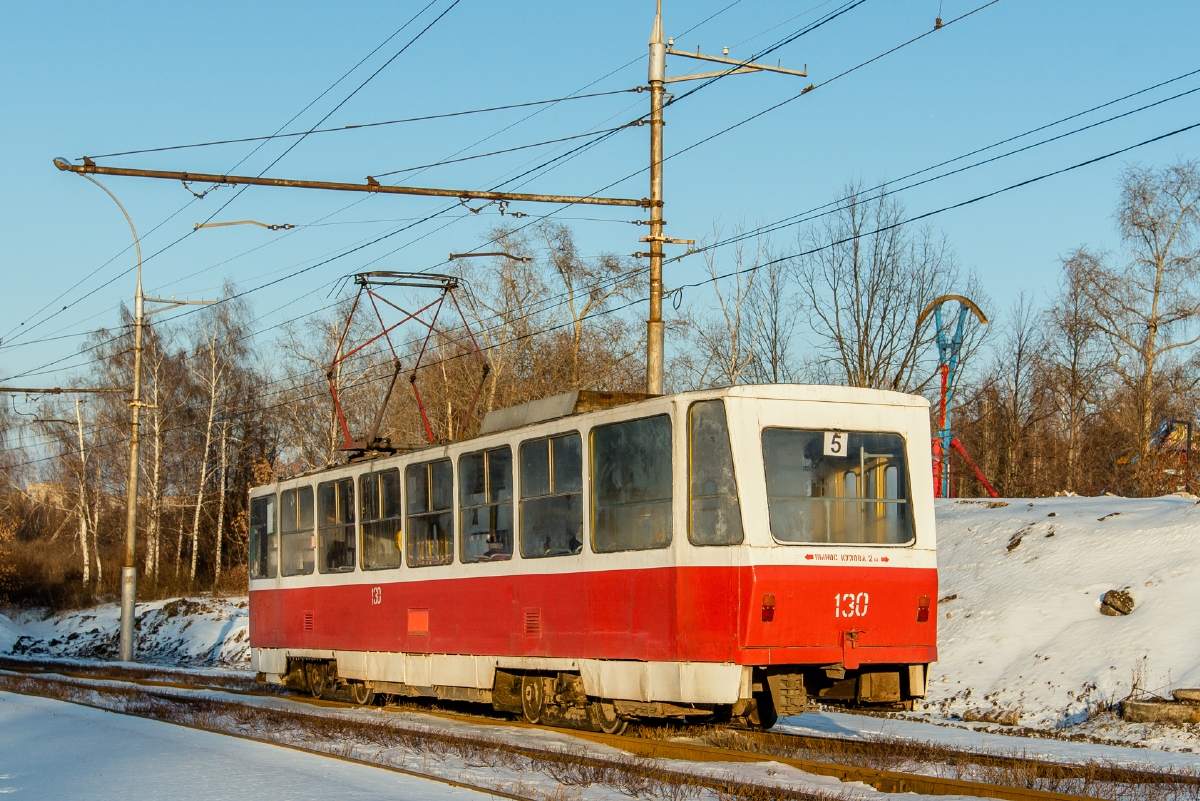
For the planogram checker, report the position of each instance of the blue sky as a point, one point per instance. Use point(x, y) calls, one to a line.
point(87, 79)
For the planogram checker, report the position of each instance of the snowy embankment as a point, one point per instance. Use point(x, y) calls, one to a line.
point(185, 632)
point(1019, 623)
point(1020, 626)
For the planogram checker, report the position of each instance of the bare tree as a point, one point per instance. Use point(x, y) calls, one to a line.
point(222, 489)
point(1076, 363)
point(726, 336)
point(588, 286)
point(1148, 305)
point(1018, 376)
point(84, 506)
point(776, 299)
point(864, 276)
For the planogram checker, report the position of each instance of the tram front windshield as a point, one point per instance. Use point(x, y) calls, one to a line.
point(837, 487)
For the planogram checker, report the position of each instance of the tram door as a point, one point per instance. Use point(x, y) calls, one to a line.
point(708, 575)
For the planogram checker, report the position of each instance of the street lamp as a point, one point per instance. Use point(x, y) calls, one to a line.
point(128, 567)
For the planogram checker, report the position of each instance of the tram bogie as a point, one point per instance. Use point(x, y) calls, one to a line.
point(729, 554)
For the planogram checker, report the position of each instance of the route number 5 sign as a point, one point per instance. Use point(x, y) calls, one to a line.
point(835, 443)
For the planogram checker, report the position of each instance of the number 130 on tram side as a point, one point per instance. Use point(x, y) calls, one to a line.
point(592, 558)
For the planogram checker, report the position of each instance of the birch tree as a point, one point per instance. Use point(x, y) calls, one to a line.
point(1147, 304)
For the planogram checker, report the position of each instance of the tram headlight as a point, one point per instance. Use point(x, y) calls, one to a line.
point(923, 609)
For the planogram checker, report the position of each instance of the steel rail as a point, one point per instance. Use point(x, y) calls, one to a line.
point(883, 780)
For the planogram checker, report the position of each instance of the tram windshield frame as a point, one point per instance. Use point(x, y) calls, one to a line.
point(843, 488)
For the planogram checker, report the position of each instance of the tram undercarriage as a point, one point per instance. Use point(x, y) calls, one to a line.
point(559, 698)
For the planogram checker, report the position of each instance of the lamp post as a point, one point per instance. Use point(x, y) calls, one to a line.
point(129, 565)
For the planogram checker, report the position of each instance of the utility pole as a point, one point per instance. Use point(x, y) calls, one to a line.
point(129, 564)
point(655, 342)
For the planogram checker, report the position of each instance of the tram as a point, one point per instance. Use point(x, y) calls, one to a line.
point(594, 558)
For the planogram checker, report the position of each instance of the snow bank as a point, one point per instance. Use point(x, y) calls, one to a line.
point(1021, 582)
point(189, 632)
point(9, 634)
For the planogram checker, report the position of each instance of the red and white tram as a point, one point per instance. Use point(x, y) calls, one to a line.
point(587, 560)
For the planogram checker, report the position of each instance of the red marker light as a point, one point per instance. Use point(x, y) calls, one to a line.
point(768, 608)
point(923, 609)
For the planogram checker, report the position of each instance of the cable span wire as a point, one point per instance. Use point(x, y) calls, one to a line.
point(790, 37)
point(506, 150)
point(330, 88)
point(833, 206)
point(951, 207)
point(311, 103)
point(731, 273)
point(363, 125)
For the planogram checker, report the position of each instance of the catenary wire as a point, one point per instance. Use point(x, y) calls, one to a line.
point(826, 246)
point(572, 96)
point(592, 143)
point(363, 125)
point(194, 199)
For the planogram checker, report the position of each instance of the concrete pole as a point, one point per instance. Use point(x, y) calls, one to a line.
point(129, 567)
point(654, 329)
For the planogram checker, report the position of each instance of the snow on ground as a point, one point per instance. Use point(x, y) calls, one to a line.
point(874, 727)
point(55, 750)
point(115, 747)
point(1019, 621)
point(186, 632)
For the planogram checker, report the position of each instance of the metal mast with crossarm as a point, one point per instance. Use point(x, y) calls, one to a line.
point(949, 348)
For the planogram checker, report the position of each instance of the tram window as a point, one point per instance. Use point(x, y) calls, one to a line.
point(264, 543)
point(859, 497)
point(298, 551)
point(715, 514)
point(485, 501)
point(631, 485)
point(335, 526)
point(552, 496)
point(380, 509)
point(430, 488)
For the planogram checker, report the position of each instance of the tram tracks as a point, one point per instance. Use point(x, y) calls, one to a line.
point(1016, 778)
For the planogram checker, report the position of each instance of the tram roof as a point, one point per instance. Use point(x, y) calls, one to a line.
point(570, 404)
point(581, 401)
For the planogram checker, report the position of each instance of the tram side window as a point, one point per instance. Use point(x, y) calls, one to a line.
point(715, 516)
point(857, 495)
point(335, 525)
point(381, 529)
point(298, 552)
point(631, 485)
point(552, 496)
point(430, 488)
point(485, 501)
point(264, 544)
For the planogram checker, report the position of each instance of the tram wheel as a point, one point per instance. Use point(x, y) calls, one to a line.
point(605, 718)
point(533, 698)
point(764, 715)
point(361, 693)
point(318, 678)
